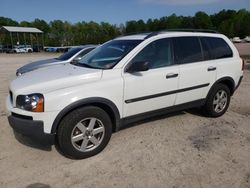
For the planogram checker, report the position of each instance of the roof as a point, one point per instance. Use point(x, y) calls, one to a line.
point(21, 29)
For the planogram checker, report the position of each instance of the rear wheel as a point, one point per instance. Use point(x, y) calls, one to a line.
point(217, 101)
point(84, 132)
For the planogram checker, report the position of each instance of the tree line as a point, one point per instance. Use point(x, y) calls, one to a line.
point(61, 33)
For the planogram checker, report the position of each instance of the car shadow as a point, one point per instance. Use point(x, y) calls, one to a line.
point(31, 143)
point(147, 120)
point(196, 112)
point(38, 185)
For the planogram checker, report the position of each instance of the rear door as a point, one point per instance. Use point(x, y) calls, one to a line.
point(222, 55)
point(197, 73)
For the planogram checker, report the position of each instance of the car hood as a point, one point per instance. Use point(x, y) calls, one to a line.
point(38, 64)
point(52, 78)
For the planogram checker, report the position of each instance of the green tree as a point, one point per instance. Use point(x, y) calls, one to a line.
point(174, 21)
point(202, 21)
point(222, 16)
point(7, 22)
point(25, 24)
point(131, 26)
point(242, 23)
point(59, 33)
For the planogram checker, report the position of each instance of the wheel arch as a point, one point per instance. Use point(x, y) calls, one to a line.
point(102, 103)
point(228, 81)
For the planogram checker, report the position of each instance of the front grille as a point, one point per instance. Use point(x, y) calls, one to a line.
point(11, 97)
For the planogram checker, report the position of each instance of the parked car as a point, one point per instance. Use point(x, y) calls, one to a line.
point(16, 50)
point(5, 48)
point(247, 39)
point(73, 54)
point(20, 49)
point(79, 105)
point(237, 40)
point(27, 48)
point(50, 49)
point(1, 48)
point(37, 47)
point(57, 49)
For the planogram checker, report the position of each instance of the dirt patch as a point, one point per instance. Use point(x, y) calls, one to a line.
point(244, 110)
point(38, 185)
point(243, 48)
point(3, 113)
point(246, 181)
point(206, 137)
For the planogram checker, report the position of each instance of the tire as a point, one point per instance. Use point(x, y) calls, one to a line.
point(217, 101)
point(84, 132)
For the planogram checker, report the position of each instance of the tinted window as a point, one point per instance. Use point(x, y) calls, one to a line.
point(205, 49)
point(157, 54)
point(187, 49)
point(69, 54)
point(218, 47)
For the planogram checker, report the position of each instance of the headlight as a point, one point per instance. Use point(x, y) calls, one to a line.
point(33, 102)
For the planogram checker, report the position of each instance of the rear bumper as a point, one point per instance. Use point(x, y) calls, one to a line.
point(31, 128)
point(238, 84)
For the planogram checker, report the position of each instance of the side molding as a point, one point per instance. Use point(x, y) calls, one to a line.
point(166, 93)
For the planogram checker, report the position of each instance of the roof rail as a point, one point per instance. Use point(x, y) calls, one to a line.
point(137, 33)
point(180, 30)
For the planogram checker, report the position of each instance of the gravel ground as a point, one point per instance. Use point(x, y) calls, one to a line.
point(182, 149)
point(244, 48)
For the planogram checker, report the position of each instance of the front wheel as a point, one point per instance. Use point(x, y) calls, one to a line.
point(217, 101)
point(84, 132)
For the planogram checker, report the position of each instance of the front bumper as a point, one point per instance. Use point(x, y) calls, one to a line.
point(46, 117)
point(31, 128)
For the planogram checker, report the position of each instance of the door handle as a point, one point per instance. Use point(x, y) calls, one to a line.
point(171, 75)
point(211, 68)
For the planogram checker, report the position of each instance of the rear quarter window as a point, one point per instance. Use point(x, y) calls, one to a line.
point(215, 48)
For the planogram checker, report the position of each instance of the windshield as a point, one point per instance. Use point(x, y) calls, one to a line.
point(68, 54)
point(109, 54)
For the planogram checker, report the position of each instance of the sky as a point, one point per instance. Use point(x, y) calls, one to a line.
point(112, 11)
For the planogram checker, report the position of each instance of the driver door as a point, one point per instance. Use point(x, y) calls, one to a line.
point(152, 89)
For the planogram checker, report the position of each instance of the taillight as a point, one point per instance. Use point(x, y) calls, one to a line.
point(243, 65)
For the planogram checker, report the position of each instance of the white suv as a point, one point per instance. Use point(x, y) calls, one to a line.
point(79, 105)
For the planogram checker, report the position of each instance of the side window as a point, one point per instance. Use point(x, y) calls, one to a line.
point(157, 54)
point(187, 50)
point(218, 48)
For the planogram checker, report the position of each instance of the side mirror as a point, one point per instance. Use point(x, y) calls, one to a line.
point(138, 66)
